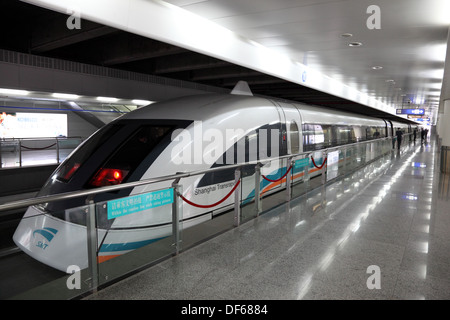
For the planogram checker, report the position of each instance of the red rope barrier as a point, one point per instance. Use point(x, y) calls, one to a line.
point(280, 178)
point(39, 148)
point(214, 204)
point(324, 161)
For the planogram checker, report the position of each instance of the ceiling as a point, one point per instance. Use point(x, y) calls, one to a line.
point(410, 46)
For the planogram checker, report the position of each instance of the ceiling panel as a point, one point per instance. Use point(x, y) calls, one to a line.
point(410, 46)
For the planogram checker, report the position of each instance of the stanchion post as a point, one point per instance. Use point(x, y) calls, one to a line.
point(176, 215)
point(258, 207)
point(92, 243)
point(344, 151)
point(324, 156)
point(57, 150)
point(237, 198)
point(289, 166)
point(20, 153)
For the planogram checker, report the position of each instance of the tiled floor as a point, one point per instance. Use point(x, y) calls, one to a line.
point(392, 217)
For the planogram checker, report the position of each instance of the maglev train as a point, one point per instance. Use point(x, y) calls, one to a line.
point(181, 135)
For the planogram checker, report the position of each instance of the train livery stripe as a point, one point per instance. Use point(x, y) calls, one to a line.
point(117, 247)
point(267, 185)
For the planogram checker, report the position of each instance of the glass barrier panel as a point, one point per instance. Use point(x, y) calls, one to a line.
point(204, 214)
point(300, 175)
point(38, 151)
point(9, 153)
point(134, 232)
point(66, 146)
point(248, 203)
point(53, 258)
point(315, 172)
point(273, 183)
point(332, 165)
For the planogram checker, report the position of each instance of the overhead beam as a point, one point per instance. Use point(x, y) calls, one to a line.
point(186, 62)
point(131, 48)
point(223, 73)
point(54, 34)
point(168, 23)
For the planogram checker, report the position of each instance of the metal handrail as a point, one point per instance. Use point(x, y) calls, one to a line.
point(40, 138)
point(76, 194)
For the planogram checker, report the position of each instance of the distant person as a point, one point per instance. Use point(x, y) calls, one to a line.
point(399, 135)
point(415, 134)
point(426, 134)
point(422, 135)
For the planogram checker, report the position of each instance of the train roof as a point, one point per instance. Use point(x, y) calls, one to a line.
point(197, 107)
point(205, 106)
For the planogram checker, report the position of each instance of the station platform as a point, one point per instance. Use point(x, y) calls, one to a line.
point(380, 233)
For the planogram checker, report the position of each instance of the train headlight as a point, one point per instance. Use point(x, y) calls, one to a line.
point(108, 177)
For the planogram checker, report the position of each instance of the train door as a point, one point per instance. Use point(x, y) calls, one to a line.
point(386, 128)
point(390, 128)
point(290, 143)
point(293, 128)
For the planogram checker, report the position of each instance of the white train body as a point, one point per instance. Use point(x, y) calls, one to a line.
point(188, 129)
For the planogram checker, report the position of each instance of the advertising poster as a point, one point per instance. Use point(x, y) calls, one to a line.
point(32, 125)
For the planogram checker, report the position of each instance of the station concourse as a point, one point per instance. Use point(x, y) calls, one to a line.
point(376, 230)
point(393, 214)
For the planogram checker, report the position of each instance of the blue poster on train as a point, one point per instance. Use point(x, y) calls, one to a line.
point(138, 203)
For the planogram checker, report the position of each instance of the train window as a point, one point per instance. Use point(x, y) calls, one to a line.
point(262, 143)
point(129, 155)
point(73, 163)
point(295, 143)
point(313, 136)
point(344, 135)
point(327, 136)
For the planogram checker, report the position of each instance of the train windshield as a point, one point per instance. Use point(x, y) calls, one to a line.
point(115, 154)
point(129, 155)
point(73, 163)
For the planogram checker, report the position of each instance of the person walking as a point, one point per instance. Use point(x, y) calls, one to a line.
point(399, 135)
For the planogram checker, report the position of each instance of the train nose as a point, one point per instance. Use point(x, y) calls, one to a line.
point(52, 241)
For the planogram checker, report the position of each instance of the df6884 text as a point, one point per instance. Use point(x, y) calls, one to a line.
point(243, 309)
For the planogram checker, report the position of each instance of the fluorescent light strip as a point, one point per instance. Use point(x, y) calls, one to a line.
point(65, 96)
point(107, 99)
point(142, 102)
point(14, 92)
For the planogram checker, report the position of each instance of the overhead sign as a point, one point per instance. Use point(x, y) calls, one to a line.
point(411, 111)
point(141, 202)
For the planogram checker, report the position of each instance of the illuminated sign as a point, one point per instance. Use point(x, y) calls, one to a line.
point(138, 203)
point(32, 125)
point(411, 111)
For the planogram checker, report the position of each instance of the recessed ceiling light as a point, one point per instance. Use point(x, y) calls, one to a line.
point(377, 67)
point(141, 102)
point(14, 92)
point(107, 99)
point(390, 80)
point(65, 96)
point(346, 35)
point(355, 44)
